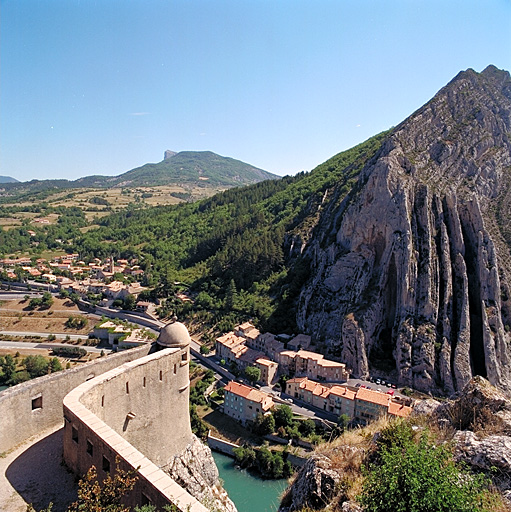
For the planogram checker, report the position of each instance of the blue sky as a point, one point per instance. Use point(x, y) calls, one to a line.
point(100, 87)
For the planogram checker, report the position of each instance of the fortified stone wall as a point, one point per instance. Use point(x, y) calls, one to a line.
point(34, 406)
point(136, 414)
point(146, 402)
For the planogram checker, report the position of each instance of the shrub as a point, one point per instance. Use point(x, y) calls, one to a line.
point(418, 476)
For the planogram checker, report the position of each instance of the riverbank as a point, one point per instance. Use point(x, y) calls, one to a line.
point(248, 492)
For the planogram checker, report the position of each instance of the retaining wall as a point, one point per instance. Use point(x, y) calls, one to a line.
point(34, 406)
point(130, 317)
point(221, 446)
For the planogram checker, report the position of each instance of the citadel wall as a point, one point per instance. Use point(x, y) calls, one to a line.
point(34, 406)
point(138, 414)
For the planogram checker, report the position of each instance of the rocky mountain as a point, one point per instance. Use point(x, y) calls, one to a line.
point(410, 272)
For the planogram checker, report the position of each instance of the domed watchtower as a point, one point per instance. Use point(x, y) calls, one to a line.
point(174, 335)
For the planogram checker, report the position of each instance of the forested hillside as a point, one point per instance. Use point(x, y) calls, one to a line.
point(239, 250)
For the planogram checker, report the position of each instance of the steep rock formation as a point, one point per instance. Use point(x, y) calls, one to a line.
point(195, 470)
point(410, 272)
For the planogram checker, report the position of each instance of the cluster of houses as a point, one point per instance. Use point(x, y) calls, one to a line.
point(316, 380)
point(361, 405)
point(78, 277)
point(358, 403)
point(246, 346)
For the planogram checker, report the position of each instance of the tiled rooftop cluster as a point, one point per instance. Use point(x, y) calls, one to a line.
point(247, 346)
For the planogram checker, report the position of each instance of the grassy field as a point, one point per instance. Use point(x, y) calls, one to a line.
point(114, 199)
point(15, 315)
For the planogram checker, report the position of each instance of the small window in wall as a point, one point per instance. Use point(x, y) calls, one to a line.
point(106, 465)
point(103, 401)
point(74, 434)
point(161, 375)
point(175, 369)
point(90, 448)
point(127, 387)
point(144, 383)
point(37, 402)
point(184, 357)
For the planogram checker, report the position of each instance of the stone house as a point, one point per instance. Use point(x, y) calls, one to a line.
point(244, 403)
point(268, 370)
point(304, 363)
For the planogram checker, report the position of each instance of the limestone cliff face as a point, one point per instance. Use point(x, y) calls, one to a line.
point(410, 273)
point(195, 471)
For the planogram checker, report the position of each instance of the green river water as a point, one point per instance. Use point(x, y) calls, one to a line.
point(249, 493)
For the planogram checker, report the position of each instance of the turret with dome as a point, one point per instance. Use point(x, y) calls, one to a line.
point(174, 335)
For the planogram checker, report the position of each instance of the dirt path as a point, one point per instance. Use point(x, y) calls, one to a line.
point(33, 473)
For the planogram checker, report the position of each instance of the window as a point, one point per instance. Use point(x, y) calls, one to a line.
point(90, 448)
point(161, 375)
point(74, 434)
point(37, 402)
point(106, 465)
point(184, 357)
point(144, 382)
point(103, 401)
point(175, 369)
point(127, 388)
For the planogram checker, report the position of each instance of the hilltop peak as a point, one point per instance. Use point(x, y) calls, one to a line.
point(168, 154)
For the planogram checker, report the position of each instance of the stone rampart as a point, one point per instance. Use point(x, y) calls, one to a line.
point(34, 406)
point(136, 414)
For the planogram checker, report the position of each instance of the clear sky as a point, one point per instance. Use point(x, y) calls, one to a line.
point(103, 86)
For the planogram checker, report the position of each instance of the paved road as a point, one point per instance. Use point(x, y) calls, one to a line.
point(60, 336)
point(48, 346)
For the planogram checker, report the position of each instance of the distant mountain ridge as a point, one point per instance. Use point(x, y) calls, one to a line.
point(8, 179)
point(185, 168)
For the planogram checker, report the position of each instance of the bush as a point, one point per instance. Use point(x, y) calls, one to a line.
point(417, 476)
point(283, 416)
point(69, 351)
point(76, 322)
point(268, 464)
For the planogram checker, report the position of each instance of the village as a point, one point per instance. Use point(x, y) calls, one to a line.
point(314, 381)
point(283, 364)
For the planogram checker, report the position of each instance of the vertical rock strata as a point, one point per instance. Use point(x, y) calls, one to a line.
point(410, 274)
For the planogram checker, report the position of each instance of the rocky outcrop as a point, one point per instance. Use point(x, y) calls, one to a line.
point(168, 154)
point(478, 407)
point(410, 273)
point(314, 487)
point(483, 444)
point(195, 471)
point(491, 455)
